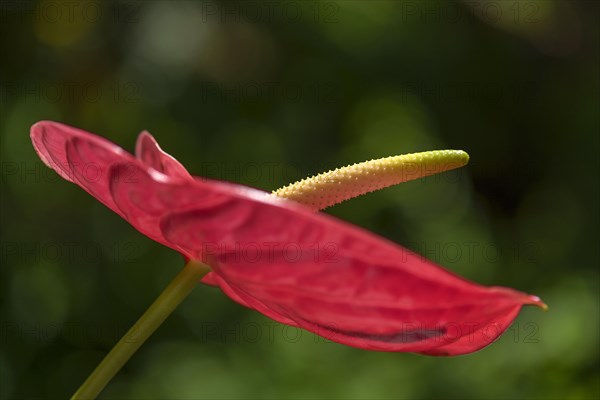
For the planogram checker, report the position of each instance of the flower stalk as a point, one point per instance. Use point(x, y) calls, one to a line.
point(179, 288)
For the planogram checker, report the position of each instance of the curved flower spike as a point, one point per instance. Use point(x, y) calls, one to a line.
point(278, 257)
point(333, 187)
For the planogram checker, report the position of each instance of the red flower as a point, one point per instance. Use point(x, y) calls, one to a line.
point(276, 256)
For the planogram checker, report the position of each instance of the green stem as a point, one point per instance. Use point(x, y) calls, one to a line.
point(162, 307)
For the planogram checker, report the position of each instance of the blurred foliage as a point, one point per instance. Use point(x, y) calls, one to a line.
point(264, 93)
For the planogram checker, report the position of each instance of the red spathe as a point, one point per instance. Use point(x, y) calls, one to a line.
point(295, 266)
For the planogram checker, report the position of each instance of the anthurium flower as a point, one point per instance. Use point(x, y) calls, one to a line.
point(283, 258)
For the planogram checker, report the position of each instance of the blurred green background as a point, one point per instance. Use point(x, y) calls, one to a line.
point(265, 93)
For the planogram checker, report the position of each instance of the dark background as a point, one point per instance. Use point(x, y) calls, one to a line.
point(265, 93)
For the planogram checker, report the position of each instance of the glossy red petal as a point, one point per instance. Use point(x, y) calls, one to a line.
point(316, 272)
point(79, 157)
point(149, 152)
point(50, 139)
